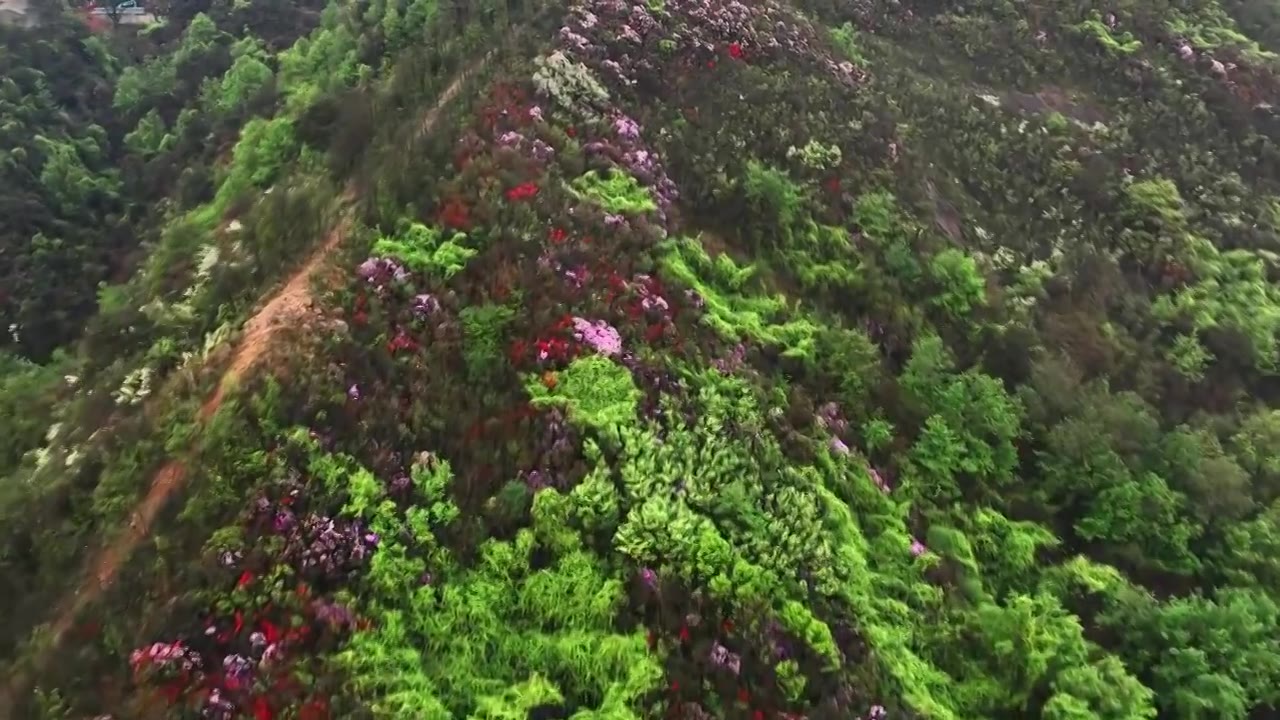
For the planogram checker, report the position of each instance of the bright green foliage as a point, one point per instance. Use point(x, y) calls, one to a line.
point(501, 638)
point(265, 146)
point(1077, 512)
point(1101, 464)
point(730, 311)
point(799, 620)
point(1228, 650)
point(483, 328)
point(846, 39)
point(791, 679)
point(1156, 199)
point(615, 192)
point(1103, 690)
point(597, 392)
point(877, 433)
point(766, 525)
point(1233, 293)
point(819, 256)
point(1212, 28)
point(1124, 44)
point(1143, 513)
point(1189, 357)
point(1006, 550)
point(150, 136)
point(960, 284)
point(424, 249)
point(249, 75)
point(516, 702)
point(775, 194)
point(881, 221)
point(70, 182)
point(326, 60)
point(971, 425)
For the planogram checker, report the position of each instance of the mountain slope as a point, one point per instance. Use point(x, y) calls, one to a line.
point(705, 359)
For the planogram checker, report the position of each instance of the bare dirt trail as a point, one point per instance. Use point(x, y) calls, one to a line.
point(287, 308)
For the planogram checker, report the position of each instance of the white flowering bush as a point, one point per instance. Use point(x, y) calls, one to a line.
point(570, 84)
point(135, 388)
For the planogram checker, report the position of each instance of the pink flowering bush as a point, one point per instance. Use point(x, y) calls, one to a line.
point(601, 336)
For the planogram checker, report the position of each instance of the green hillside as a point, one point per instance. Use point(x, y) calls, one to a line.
point(735, 359)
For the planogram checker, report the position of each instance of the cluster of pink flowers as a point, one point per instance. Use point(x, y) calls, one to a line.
point(379, 272)
point(733, 361)
point(917, 548)
point(721, 656)
point(599, 335)
point(161, 654)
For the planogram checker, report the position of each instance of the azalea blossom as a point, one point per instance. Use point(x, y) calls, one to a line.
point(524, 191)
point(626, 128)
point(917, 548)
point(649, 577)
point(601, 336)
point(425, 304)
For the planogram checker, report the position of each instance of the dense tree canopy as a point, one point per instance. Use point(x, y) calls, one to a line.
point(679, 358)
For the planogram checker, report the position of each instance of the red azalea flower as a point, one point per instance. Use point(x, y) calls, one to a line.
point(401, 342)
point(711, 64)
point(239, 623)
point(675, 686)
point(744, 697)
point(523, 191)
point(735, 51)
point(684, 633)
point(832, 185)
point(360, 318)
point(557, 235)
point(571, 132)
point(270, 631)
point(246, 577)
point(757, 715)
point(262, 710)
point(654, 333)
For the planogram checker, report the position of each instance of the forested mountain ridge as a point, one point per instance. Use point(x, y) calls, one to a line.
point(679, 358)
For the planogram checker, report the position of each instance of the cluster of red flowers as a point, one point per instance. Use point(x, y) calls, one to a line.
point(678, 709)
point(506, 102)
point(557, 345)
point(523, 191)
point(401, 342)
